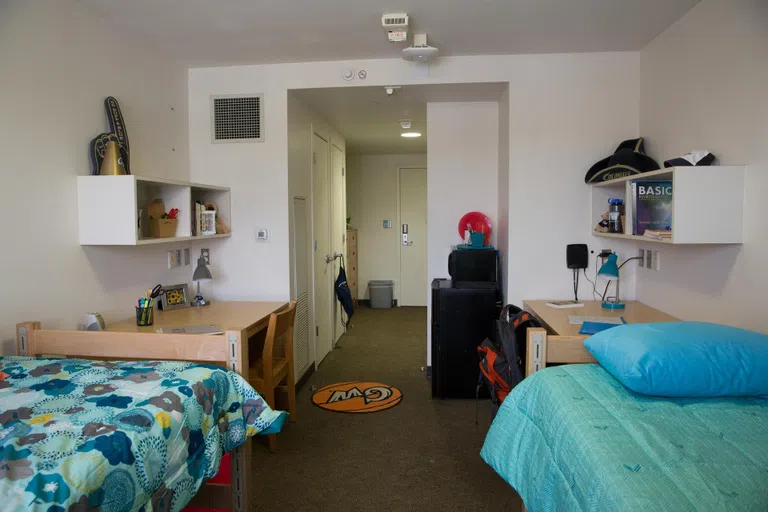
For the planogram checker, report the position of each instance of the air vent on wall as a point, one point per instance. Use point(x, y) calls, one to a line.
point(237, 118)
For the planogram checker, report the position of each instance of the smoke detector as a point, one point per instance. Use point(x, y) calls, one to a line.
point(420, 51)
point(396, 26)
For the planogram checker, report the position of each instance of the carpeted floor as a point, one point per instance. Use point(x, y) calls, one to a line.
point(422, 455)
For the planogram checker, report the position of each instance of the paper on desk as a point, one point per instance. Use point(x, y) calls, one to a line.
point(578, 320)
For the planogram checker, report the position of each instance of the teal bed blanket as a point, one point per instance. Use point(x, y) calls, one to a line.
point(118, 436)
point(573, 438)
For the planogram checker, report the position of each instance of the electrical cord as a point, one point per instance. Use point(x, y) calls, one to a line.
point(576, 284)
point(593, 283)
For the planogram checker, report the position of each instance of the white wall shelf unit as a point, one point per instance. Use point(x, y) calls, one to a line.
point(707, 204)
point(110, 207)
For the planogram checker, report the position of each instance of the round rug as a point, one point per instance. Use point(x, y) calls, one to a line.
point(357, 397)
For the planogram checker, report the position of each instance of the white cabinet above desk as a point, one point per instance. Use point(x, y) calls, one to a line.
point(112, 209)
point(707, 203)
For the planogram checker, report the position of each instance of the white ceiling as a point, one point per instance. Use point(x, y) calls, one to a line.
point(220, 32)
point(369, 119)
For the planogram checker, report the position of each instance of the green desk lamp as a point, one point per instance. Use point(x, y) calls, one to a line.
point(201, 274)
point(610, 272)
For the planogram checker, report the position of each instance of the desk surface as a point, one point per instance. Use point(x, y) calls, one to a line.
point(238, 316)
point(556, 320)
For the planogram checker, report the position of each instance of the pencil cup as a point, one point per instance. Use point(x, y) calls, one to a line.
point(145, 316)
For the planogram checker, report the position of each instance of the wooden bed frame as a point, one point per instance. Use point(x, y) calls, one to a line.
point(32, 340)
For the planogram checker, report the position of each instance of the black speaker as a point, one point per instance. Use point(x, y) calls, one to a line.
point(577, 256)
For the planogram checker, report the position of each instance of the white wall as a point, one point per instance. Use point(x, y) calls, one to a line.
point(502, 224)
point(462, 149)
point(703, 86)
point(463, 176)
point(566, 111)
point(373, 196)
point(563, 119)
point(58, 64)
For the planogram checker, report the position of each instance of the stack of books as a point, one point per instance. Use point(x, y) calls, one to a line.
point(648, 208)
point(658, 234)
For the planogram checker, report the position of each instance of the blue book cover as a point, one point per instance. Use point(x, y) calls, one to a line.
point(590, 328)
point(653, 206)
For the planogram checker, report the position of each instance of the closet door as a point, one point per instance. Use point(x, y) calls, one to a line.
point(302, 353)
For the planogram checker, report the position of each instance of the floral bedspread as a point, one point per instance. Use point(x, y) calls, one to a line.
point(78, 435)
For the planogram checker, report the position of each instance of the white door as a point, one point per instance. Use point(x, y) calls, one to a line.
point(302, 353)
point(413, 225)
point(338, 227)
point(321, 229)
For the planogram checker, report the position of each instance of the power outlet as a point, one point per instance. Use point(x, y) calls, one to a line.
point(649, 259)
point(641, 255)
point(656, 261)
point(173, 259)
point(206, 254)
point(186, 257)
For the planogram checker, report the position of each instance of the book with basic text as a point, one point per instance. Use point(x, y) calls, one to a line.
point(653, 206)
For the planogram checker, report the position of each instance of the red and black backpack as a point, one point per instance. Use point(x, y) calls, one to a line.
point(502, 364)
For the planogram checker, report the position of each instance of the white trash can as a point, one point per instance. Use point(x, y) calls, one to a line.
point(382, 293)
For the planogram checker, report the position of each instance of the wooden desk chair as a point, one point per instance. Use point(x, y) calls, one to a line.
point(274, 371)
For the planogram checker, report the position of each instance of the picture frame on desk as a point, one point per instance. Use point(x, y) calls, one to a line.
point(175, 297)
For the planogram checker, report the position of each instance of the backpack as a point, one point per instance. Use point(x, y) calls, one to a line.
point(344, 295)
point(502, 363)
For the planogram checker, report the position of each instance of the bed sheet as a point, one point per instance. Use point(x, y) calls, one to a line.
point(119, 436)
point(573, 438)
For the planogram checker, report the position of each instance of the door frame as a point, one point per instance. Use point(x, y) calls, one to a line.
point(313, 332)
point(337, 336)
point(400, 168)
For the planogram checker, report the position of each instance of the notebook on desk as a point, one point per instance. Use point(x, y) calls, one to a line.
point(191, 329)
point(590, 328)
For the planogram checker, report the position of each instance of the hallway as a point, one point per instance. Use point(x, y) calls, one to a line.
point(422, 455)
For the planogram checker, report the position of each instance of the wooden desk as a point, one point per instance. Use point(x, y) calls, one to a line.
point(560, 342)
point(247, 318)
point(251, 317)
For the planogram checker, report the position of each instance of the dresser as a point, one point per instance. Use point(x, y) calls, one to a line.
point(352, 281)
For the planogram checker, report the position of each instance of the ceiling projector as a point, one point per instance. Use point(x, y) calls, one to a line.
point(420, 51)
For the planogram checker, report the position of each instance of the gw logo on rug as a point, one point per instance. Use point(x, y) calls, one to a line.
point(357, 397)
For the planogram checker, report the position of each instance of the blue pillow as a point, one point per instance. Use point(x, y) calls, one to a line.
point(684, 359)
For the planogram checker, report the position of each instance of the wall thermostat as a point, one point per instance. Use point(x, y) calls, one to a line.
point(262, 235)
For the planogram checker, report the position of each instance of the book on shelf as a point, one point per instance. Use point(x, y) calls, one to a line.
point(629, 208)
point(658, 234)
point(652, 206)
point(197, 221)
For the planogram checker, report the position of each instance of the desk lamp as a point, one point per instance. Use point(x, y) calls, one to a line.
point(201, 274)
point(610, 272)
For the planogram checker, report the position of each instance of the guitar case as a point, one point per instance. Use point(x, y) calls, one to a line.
point(117, 127)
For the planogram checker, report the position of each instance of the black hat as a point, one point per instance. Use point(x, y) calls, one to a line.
point(628, 160)
point(697, 157)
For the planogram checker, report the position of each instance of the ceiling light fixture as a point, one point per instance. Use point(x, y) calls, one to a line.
point(410, 135)
point(420, 51)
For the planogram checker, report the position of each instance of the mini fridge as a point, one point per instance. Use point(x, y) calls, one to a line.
point(461, 319)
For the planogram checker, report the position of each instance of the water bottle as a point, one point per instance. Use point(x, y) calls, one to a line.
point(615, 209)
